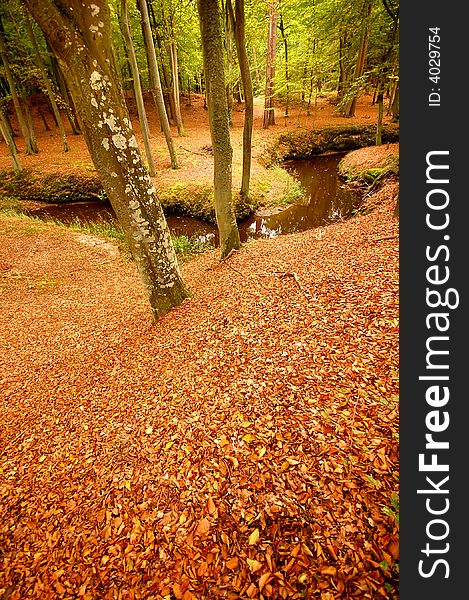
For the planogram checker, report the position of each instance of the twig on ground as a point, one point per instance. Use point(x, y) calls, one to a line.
point(297, 281)
point(192, 151)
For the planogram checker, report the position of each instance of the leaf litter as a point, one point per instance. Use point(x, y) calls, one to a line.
point(246, 446)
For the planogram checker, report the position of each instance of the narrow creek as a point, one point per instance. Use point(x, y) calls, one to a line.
point(326, 200)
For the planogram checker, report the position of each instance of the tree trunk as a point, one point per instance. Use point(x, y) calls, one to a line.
point(379, 125)
point(212, 48)
point(16, 102)
point(71, 111)
point(229, 63)
point(83, 46)
point(142, 116)
point(5, 129)
point(287, 81)
point(156, 82)
point(173, 56)
point(238, 27)
point(29, 121)
point(395, 105)
point(349, 110)
point(45, 79)
point(168, 97)
point(269, 113)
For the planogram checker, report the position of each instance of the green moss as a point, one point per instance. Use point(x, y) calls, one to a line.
point(372, 176)
point(308, 143)
point(52, 187)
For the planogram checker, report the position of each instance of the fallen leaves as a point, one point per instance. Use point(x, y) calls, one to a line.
point(245, 447)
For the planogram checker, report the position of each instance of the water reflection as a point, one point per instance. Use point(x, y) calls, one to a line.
point(326, 201)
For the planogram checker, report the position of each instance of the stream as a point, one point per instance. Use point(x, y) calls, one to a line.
point(327, 200)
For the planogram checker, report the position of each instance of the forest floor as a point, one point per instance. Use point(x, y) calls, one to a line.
point(245, 446)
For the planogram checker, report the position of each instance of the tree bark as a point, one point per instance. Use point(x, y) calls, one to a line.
point(29, 121)
point(71, 111)
point(45, 79)
point(14, 95)
point(349, 110)
point(4, 128)
point(156, 82)
point(212, 48)
point(173, 56)
point(238, 27)
point(142, 116)
point(81, 40)
point(269, 112)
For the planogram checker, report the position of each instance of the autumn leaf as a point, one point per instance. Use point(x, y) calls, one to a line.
point(203, 527)
point(254, 565)
point(232, 563)
point(253, 537)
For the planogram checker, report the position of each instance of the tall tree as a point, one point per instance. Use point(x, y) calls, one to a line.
point(156, 81)
point(80, 37)
point(46, 82)
point(212, 46)
point(350, 105)
point(269, 113)
point(30, 147)
point(238, 19)
point(173, 56)
point(142, 115)
point(6, 133)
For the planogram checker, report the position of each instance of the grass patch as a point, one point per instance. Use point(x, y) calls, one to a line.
point(186, 248)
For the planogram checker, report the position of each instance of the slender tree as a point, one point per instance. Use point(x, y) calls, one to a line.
point(5, 130)
point(46, 82)
point(30, 149)
point(142, 115)
point(238, 19)
point(212, 47)
point(269, 112)
point(349, 109)
point(281, 26)
point(156, 82)
point(80, 37)
point(173, 56)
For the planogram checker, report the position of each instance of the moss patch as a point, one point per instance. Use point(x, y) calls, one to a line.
point(308, 143)
point(52, 187)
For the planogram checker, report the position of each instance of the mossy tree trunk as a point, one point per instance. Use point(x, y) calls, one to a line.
point(212, 47)
point(81, 40)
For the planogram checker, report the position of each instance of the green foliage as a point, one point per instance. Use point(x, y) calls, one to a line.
point(292, 189)
point(186, 247)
